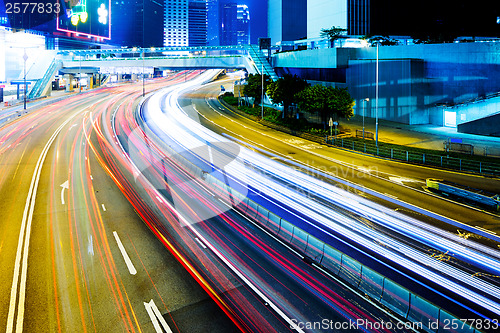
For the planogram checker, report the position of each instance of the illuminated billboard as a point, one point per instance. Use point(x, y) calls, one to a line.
point(86, 17)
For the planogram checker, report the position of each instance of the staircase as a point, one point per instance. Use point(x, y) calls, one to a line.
point(40, 87)
point(261, 62)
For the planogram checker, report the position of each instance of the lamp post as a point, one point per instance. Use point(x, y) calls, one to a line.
point(262, 93)
point(25, 57)
point(80, 74)
point(376, 101)
point(143, 88)
point(364, 108)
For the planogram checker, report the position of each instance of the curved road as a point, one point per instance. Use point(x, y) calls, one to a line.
point(392, 180)
point(66, 229)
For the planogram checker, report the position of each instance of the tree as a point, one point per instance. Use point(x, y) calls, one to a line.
point(253, 88)
point(333, 34)
point(284, 89)
point(327, 101)
point(382, 41)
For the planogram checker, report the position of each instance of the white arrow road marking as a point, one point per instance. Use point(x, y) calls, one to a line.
point(400, 180)
point(156, 316)
point(130, 266)
point(64, 186)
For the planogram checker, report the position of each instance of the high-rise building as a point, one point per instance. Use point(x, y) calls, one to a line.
point(287, 20)
point(137, 23)
point(176, 27)
point(197, 23)
point(358, 18)
point(214, 25)
point(291, 20)
point(425, 18)
point(235, 24)
point(229, 15)
point(243, 25)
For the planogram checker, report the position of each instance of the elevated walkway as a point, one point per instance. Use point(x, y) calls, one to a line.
point(247, 57)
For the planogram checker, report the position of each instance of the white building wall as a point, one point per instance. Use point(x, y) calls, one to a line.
point(176, 23)
point(12, 49)
point(275, 20)
point(324, 14)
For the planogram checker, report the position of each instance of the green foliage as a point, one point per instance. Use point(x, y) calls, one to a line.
point(253, 88)
point(271, 115)
point(326, 101)
point(382, 41)
point(229, 98)
point(284, 89)
point(333, 33)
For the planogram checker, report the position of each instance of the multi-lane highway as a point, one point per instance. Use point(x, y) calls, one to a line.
point(88, 244)
point(74, 254)
point(391, 179)
point(105, 229)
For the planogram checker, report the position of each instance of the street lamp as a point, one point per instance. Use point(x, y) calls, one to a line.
point(80, 74)
point(364, 107)
point(143, 88)
point(376, 101)
point(25, 57)
point(262, 93)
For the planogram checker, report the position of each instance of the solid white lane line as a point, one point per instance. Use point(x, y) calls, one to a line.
point(21, 267)
point(128, 262)
point(241, 276)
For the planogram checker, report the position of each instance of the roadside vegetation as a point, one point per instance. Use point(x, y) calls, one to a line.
point(296, 96)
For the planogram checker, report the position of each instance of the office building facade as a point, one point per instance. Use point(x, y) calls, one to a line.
point(287, 20)
point(242, 25)
point(137, 23)
point(197, 23)
point(176, 27)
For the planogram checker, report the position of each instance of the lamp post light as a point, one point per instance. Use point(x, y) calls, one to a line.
point(80, 74)
point(25, 57)
point(364, 108)
point(143, 87)
point(376, 100)
point(262, 93)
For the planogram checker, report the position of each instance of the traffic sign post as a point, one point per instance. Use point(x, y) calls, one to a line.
point(332, 123)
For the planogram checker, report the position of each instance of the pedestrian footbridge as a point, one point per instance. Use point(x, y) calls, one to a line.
point(144, 60)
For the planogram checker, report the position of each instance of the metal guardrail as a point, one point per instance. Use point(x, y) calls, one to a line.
point(375, 285)
point(444, 161)
point(365, 134)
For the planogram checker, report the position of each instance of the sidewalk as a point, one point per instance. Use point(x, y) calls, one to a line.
point(423, 136)
point(54, 94)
